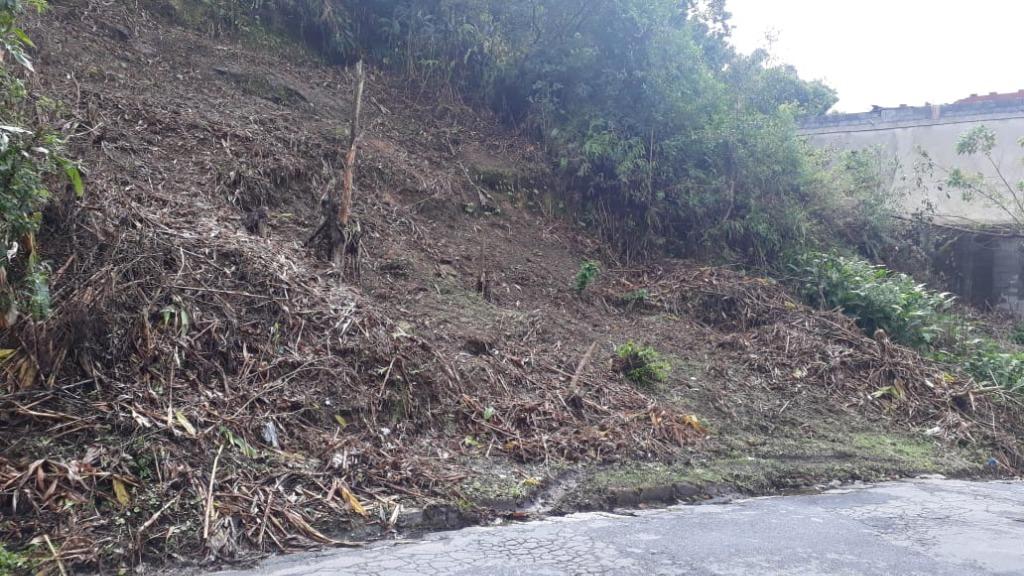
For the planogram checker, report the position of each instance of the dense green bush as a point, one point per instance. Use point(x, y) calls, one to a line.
point(642, 365)
point(986, 361)
point(1017, 334)
point(876, 297)
point(909, 313)
point(864, 193)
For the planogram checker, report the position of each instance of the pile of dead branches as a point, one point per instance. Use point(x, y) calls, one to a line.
point(793, 346)
point(195, 393)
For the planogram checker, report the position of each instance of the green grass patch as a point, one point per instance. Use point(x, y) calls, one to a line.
point(13, 563)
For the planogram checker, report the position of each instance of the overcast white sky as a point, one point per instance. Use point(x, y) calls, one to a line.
point(891, 52)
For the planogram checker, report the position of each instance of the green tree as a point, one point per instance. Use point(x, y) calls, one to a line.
point(995, 188)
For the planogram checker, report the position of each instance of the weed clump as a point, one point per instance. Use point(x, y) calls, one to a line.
point(642, 365)
point(588, 272)
point(635, 299)
point(1017, 336)
point(12, 563)
point(985, 360)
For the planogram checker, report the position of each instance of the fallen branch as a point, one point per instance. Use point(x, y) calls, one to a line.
point(486, 201)
point(209, 496)
point(56, 556)
point(581, 367)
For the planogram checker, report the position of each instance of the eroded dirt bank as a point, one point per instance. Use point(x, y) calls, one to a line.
point(208, 390)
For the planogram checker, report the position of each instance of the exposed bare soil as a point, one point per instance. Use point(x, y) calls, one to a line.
point(204, 393)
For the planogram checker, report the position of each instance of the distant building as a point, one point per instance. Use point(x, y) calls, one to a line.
point(993, 97)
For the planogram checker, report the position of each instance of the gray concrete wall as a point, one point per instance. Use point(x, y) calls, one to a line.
point(902, 132)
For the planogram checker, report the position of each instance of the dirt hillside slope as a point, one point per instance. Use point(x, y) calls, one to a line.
point(208, 389)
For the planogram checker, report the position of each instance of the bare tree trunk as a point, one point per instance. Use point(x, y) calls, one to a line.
point(341, 235)
point(345, 205)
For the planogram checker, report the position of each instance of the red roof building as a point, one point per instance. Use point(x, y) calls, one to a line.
point(993, 97)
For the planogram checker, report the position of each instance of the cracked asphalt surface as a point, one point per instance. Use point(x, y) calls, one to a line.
point(925, 527)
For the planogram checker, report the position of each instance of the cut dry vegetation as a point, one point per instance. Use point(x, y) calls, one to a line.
point(204, 393)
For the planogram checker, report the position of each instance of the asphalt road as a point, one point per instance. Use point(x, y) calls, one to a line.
point(926, 527)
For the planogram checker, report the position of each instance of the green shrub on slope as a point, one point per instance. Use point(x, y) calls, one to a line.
point(909, 313)
point(642, 365)
point(876, 297)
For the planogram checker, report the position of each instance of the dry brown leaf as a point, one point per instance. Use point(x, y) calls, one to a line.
point(183, 420)
point(352, 500)
point(27, 373)
point(141, 420)
point(121, 493)
point(693, 422)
